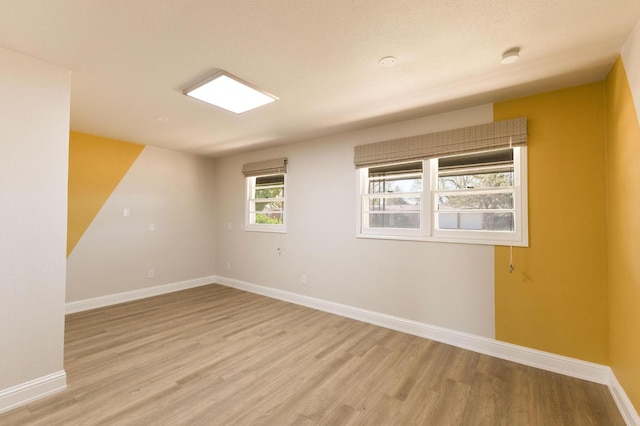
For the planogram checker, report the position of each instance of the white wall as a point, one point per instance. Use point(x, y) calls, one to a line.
point(631, 58)
point(449, 285)
point(169, 189)
point(34, 137)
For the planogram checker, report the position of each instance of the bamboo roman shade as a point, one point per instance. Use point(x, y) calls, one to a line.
point(265, 167)
point(500, 134)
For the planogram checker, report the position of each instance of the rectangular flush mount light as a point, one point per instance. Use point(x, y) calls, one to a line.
point(229, 92)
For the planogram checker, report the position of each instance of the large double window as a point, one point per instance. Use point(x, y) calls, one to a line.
point(476, 198)
point(473, 197)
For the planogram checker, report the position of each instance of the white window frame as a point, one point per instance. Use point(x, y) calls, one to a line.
point(250, 192)
point(365, 197)
point(428, 231)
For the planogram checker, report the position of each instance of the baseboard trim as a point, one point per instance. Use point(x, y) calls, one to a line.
point(567, 366)
point(602, 374)
point(32, 390)
point(627, 410)
point(547, 361)
point(128, 296)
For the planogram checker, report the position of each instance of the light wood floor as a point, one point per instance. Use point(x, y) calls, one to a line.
point(216, 356)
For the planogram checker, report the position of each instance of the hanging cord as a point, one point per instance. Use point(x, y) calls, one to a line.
point(511, 267)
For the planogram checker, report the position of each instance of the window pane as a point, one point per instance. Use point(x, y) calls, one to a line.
point(394, 204)
point(269, 187)
point(272, 218)
point(405, 177)
point(394, 220)
point(269, 193)
point(482, 180)
point(488, 169)
point(476, 201)
point(477, 221)
point(269, 180)
point(491, 158)
point(395, 169)
point(380, 186)
point(267, 206)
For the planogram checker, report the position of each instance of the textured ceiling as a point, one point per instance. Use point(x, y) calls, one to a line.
point(130, 60)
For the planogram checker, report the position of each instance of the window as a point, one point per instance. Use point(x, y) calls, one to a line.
point(477, 197)
point(393, 198)
point(266, 194)
point(476, 192)
point(266, 203)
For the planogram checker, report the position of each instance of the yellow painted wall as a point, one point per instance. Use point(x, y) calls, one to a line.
point(623, 169)
point(556, 299)
point(96, 166)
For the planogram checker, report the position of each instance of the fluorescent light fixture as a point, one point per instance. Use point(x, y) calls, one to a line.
point(229, 92)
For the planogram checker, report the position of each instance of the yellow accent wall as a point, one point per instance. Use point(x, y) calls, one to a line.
point(556, 298)
point(623, 168)
point(96, 166)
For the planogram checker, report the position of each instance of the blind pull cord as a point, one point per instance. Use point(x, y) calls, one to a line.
point(511, 267)
point(279, 252)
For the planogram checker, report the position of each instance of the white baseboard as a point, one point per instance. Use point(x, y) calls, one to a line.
point(24, 393)
point(572, 367)
point(114, 299)
point(520, 354)
point(627, 410)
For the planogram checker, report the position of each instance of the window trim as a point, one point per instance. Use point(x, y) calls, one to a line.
point(364, 194)
point(249, 191)
point(427, 230)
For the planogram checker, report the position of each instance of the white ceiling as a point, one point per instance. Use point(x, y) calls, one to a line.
point(130, 60)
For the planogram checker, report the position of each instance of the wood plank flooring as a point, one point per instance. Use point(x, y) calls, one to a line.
point(218, 356)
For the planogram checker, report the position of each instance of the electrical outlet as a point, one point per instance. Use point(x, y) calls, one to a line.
point(303, 279)
point(228, 265)
point(152, 227)
point(151, 274)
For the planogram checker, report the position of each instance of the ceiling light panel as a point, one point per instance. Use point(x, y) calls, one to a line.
point(229, 92)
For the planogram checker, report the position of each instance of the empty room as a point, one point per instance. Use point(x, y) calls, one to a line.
point(320, 213)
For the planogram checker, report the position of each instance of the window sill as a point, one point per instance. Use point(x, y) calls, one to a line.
point(257, 228)
point(431, 239)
